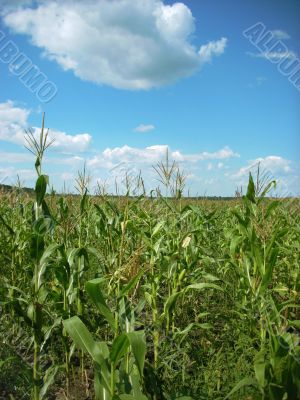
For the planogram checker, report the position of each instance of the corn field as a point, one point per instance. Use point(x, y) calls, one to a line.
point(137, 297)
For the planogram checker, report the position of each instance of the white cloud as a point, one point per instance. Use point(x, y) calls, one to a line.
point(68, 176)
point(280, 35)
point(73, 161)
point(125, 44)
point(274, 165)
point(110, 158)
point(273, 55)
point(68, 143)
point(14, 123)
point(277, 168)
point(8, 175)
point(222, 154)
point(114, 163)
point(15, 158)
point(144, 128)
point(214, 48)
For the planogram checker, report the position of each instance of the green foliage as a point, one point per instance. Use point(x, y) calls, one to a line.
point(139, 298)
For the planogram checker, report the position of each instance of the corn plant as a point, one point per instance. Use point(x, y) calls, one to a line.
point(115, 372)
point(30, 306)
point(156, 297)
point(255, 256)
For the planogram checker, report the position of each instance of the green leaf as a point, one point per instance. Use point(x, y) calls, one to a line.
point(204, 285)
point(136, 383)
point(242, 222)
point(170, 303)
point(97, 350)
point(138, 345)
point(83, 339)
point(244, 382)
point(44, 261)
point(191, 326)
point(131, 397)
point(158, 227)
point(40, 188)
point(183, 398)
point(148, 298)
point(37, 162)
point(48, 380)
point(46, 210)
point(272, 206)
point(295, 323)
point(7, 361)
point(100, 212)
point(259, 367)
point(119, 348)
point(267, 277)
point(16, 303)
point(268, 188)
point(209, 277)
point(131, 284)
point(83, 202)
point(93, 289)
point(251, 189)
point(47, 330)
point(42, 225)
point(100, 377)
point(10, 230)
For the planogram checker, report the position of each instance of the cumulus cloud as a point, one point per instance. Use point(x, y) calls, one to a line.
point(69, 143)
point(144, 128)
point(277, 168)
point(110, 158)
point(274, 165)
point(116, 163)
point(14, 123)
point(208, 51)
point(73, 161)
point(222, 154)
point(125, 44)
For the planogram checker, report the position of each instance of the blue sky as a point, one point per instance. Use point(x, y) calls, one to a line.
point(136, 78)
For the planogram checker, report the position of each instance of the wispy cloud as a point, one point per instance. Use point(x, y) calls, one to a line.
point(144, 128)
point(273, 55)
point(259, 80)
point(280, 35)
